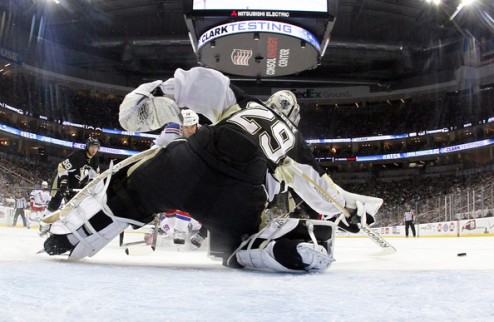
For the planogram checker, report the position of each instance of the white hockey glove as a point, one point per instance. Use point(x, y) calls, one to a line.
point(142, 111)
point(171, 132)
point(168, 88)
point(366, 207)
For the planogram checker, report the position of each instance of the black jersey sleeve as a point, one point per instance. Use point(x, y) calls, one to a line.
point(303, 154)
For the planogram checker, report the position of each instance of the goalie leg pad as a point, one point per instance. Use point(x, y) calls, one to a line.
point(316, 257)
point(95, 242)
point(88, 227)
point(286, 255)
point(289, 245)
point(262, 259)
point(85, 210)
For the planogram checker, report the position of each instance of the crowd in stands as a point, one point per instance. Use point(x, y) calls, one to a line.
point(346, 122)
point(41, 97)
point(427, 195)
point(21, 174)
point(451, 111)
point(37, 96)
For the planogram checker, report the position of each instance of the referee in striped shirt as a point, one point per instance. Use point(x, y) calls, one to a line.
point(20, 205)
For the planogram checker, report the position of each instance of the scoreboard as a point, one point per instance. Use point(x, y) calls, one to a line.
point(260, 38)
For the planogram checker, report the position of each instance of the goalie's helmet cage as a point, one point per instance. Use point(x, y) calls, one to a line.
point(285, 102)
point(190, 118)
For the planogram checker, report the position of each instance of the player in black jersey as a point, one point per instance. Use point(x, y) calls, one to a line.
point(74, 172)
point(224, 175)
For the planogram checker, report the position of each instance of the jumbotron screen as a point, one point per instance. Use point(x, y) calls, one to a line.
point(283, 5)
point(260, 39)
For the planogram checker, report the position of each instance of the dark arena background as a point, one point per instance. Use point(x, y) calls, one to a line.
point(397, 101)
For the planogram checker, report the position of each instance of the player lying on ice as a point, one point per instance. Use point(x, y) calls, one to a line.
point(224, 175)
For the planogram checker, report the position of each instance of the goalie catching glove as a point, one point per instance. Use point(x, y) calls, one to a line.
point(147, 109)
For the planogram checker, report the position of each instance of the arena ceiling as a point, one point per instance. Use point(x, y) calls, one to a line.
point(376, 42)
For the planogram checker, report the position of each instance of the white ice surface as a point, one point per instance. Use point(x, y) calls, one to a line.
point(424, 281)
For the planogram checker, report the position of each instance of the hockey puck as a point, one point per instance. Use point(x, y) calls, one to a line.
point(462, 254)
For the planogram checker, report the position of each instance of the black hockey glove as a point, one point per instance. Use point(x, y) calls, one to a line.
point(64, 187)
point(355, 219)
point(350, 224)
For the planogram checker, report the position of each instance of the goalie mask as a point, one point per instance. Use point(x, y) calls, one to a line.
point(286, 103)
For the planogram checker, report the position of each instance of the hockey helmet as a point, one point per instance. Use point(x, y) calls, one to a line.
point(286, 103)
point(190, 118)
point(92, 141)
point(44, 185)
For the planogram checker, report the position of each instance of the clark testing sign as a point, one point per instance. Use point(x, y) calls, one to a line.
point(259, 48)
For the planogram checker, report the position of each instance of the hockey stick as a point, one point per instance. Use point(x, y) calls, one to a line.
point(121, 238)
point(48, 189)
point(387, 248)
point(131, 248)
point(139, 242)
point(156, 231)
point(88, 189)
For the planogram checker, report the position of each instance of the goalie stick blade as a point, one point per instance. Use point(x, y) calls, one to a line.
point(387, 248)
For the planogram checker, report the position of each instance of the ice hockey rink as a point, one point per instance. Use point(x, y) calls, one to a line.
point(424, 280)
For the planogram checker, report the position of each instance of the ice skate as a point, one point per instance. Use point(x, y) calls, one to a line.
point(44, 229)
point(179, 237)
point(196, 240)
